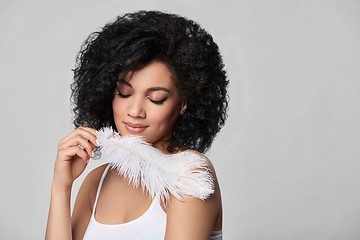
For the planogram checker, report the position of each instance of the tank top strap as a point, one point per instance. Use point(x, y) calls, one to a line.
point(99, 186)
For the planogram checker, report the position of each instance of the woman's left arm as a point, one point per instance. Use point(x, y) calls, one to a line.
point(192, 219)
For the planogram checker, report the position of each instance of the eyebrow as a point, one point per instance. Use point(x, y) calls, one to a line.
point(152, 89)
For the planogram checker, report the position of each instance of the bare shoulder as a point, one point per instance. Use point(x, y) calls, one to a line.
point(92, 182)
point(193, 218)
point(84, 201)
point(209, 163)
point(95, 174)
point(89, 185)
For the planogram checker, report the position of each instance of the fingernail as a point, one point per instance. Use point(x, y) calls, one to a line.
point(97, 132)
point(97, 142)
point(92, 154)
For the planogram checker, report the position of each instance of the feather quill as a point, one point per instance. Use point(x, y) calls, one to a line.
point(180, 174)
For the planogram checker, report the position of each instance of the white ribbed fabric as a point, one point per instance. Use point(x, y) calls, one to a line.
point(216, 235)
point(151, 225)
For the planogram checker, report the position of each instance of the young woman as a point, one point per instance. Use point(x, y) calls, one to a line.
point(150, 74)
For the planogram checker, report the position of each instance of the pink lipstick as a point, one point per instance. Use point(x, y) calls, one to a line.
point(134, 127)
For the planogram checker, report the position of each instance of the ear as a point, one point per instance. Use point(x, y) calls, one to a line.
point(183, 107)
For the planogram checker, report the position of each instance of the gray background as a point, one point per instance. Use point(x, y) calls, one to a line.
point(287, 159)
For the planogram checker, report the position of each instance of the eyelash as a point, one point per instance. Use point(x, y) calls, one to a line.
point(153, 101)
point(158, 102)
point(123, 96)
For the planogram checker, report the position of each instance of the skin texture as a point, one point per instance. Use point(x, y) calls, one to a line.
point(119, 202)
point(148, 97)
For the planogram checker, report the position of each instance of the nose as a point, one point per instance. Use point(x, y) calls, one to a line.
point(136, 109)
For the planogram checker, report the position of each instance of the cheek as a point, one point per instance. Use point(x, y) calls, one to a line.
point(117, 108)
point(165, 116)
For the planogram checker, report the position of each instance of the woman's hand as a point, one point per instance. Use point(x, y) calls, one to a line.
point(74, 152)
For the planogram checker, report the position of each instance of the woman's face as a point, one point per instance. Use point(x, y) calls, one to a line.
point(147, 104)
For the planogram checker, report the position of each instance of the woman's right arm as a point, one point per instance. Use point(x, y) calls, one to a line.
point(70, 162)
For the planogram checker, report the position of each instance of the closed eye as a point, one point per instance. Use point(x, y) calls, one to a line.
point(159, 101)
point(153, 101)
point(122, 95)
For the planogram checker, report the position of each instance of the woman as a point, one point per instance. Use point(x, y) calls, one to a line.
point(149, 74)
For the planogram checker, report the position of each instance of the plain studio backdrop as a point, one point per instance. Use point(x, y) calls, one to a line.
point(287, 159)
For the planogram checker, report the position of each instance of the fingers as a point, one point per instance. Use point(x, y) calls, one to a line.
point(83, 138)
point(85, 132)
point(72, 151)
point(85, 144)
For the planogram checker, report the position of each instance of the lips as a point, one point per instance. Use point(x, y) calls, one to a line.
point(134, 127)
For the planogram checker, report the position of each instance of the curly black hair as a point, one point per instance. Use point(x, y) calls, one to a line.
point(131, 42)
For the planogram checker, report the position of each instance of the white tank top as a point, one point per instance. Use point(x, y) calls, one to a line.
point(151, 225)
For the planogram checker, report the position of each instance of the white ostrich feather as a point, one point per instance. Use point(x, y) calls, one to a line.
point(180, 174)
